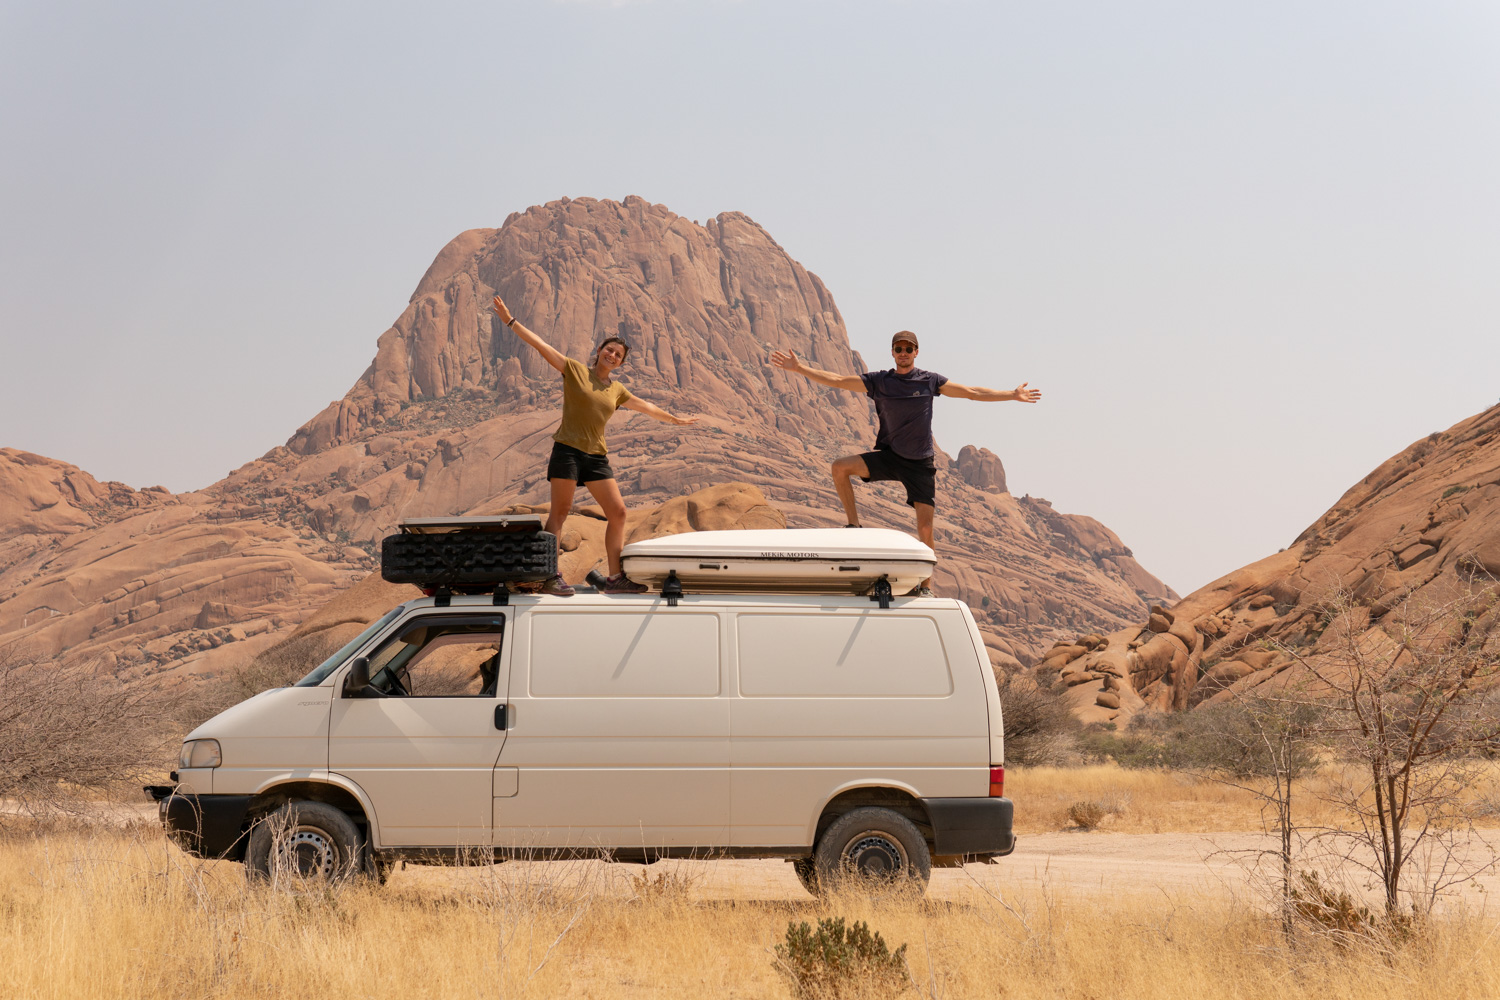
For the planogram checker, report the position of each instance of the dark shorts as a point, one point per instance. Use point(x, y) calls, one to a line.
point(916, 474)
point(568, 462)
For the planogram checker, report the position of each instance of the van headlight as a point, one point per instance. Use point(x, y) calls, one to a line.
point(200, 753)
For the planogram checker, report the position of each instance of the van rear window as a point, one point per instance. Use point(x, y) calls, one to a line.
point(581, 655)
point(877, 655)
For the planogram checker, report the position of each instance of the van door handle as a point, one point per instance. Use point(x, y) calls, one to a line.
point(500, 715)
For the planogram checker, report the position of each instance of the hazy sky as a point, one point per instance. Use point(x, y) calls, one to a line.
point(1247, 251)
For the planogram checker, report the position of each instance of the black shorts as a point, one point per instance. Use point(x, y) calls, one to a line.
point(568, 462)
point(918, 475)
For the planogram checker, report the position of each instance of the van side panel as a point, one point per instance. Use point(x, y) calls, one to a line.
point(619, 732)
point(991, 696)
point(838, 698)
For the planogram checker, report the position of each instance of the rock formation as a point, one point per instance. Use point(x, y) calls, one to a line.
point(1423, 528)
point(455, 415)
point(143, 579)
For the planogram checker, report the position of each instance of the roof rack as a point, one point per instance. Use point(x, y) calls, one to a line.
point(493, 522)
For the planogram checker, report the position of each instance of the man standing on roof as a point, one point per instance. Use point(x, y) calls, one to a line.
point(903, 446)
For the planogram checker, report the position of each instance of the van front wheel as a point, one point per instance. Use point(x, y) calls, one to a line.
point(303, 840)
point(872, 844)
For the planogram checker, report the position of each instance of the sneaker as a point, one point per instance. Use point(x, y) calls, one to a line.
point(919, 591)
point(853, 526)
point(622, 584)
point(557, 587)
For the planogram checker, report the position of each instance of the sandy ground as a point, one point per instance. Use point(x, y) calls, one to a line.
point(1171, 866)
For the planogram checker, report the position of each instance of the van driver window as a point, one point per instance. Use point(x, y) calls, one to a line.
point(438, 659)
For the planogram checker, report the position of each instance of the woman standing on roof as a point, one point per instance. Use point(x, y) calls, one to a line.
point(590, 398)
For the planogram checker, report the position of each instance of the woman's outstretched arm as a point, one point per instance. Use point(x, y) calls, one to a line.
point(652, 410)
point(546, 350)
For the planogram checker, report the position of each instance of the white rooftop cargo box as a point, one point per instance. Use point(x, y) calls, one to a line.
point(789, 560)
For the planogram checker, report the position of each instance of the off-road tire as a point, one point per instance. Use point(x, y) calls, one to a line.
point(469, 560)
point(319, 843)
point(872, 845)
point(807, 874)
point(378, 868)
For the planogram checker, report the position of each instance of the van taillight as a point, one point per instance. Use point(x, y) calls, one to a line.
point(997, 782)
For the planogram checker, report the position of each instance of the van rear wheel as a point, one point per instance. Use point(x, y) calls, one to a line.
point(305, 840)
point(872, 844)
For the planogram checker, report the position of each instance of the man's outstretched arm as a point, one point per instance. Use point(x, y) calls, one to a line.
point(1020, 393)
point(788, 361)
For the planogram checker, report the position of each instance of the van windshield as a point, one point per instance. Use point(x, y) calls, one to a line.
point(328, 666)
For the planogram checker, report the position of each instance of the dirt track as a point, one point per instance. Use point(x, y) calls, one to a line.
point(1108, 863)
point(1168, 865)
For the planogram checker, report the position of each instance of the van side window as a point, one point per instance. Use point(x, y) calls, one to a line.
point(869, 655)
point(433, 658)
point(583, 655)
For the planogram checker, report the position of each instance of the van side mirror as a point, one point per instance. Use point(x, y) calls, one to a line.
point(358, 680)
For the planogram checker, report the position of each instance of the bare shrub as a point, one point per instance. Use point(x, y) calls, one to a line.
point(666, 885)
point(67, 729)
point(1329, 908)
point(1409, 715)
point(1086, 815)
point(1091, 814)
point(1040, 730)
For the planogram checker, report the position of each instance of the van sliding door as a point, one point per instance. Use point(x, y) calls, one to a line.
point(620, 735)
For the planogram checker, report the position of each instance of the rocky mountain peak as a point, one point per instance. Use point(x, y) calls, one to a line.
point(701, 306)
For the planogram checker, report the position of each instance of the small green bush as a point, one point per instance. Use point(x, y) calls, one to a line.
point(1233, 738)
point(834, 961)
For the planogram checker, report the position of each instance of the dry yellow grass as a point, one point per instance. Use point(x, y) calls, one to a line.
point(1152, 801)
point(114, 914)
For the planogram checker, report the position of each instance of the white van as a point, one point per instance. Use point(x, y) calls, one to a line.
point(836, 732)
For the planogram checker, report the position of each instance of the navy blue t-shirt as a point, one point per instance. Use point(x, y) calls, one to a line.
point(904, 405)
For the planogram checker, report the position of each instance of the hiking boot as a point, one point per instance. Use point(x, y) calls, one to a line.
point(558, 587)
point(919, 591)
point(622, 584)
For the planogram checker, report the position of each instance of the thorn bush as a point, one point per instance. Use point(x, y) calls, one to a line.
point(836, 961)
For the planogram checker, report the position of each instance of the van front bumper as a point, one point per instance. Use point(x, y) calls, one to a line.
point(207, 826)
point(971, 826)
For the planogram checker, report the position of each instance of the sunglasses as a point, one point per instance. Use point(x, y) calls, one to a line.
point(903, 349)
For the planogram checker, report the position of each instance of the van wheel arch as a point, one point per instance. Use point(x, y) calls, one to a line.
point(896, 799)
point(268, 800)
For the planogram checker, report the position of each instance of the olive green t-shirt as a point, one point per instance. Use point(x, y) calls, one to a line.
point(587, 406)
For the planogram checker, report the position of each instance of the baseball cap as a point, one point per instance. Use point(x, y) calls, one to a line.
point(906, 335)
